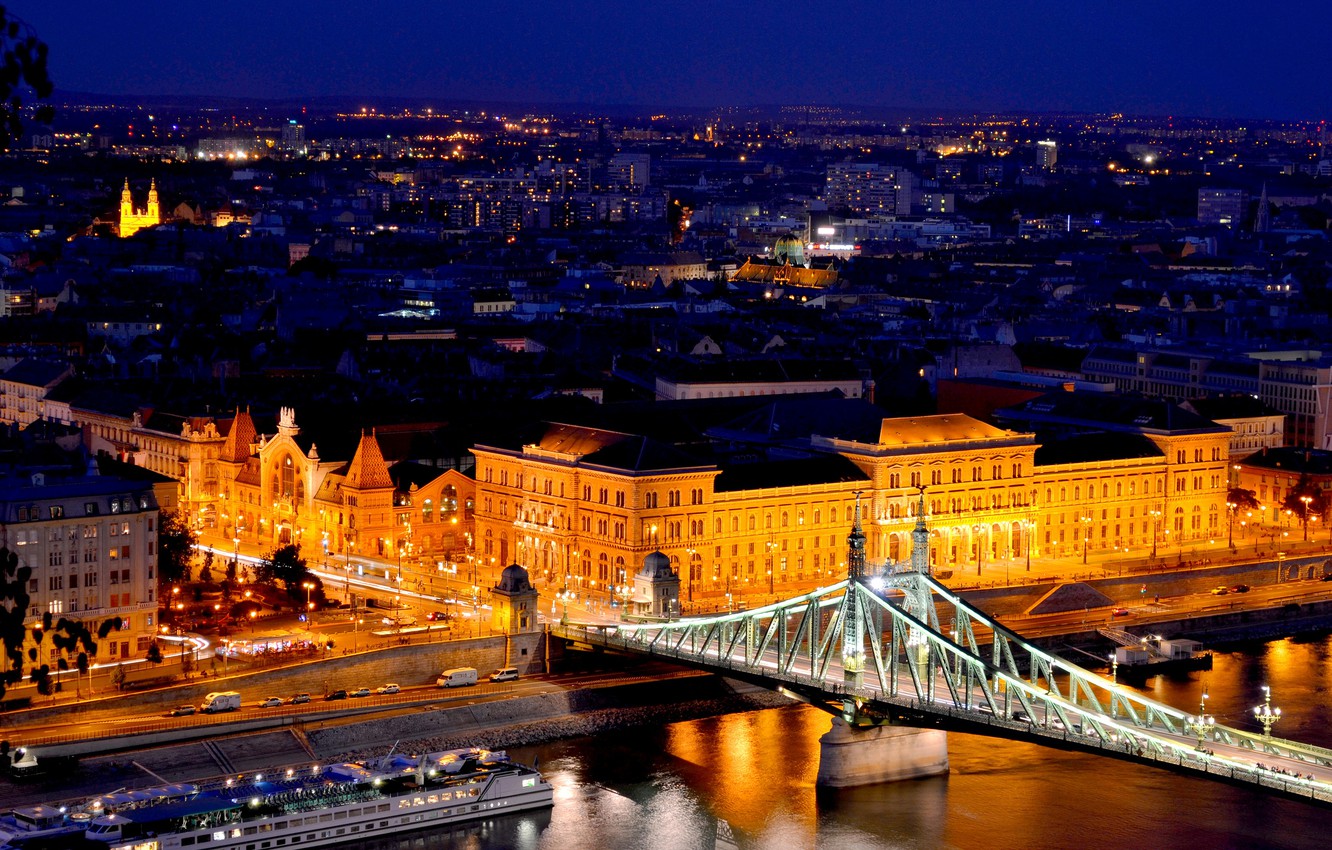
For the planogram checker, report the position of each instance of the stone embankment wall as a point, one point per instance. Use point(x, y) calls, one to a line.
point(544, 717)
point(414, 664)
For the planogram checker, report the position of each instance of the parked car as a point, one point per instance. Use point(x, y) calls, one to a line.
point(1239, 588)
point(360, 692)
point(270, 702)
point(297, 699)
point(504, 674)
point(1220, 590)
point(1120, 612)
point(390, 688)
point(339, 694)
point(182, 711)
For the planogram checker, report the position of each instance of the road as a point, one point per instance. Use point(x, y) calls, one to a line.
point(110, 722)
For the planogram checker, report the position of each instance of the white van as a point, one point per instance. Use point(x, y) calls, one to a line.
point(458, 677)
point(221, 701)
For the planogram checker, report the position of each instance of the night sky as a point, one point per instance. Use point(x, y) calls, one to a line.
point(1224, 59)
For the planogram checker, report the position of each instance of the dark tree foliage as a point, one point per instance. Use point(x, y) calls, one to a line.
point(71, 638)
point(154, 653)
point(284, 565)
point(22, 75)
point(175, 545)
point(1317, 504)
point(1242, 499)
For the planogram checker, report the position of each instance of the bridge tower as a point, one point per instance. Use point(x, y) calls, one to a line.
point(853, 639)
point(920, 540)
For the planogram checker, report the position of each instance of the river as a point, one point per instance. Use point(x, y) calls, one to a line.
point(680, 786)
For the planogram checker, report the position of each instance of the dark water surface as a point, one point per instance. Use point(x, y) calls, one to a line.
point(671, 787)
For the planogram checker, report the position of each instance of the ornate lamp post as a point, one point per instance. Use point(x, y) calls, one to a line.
point(1304, 515)
point(1230, 532)
point(1156, 521)
point(1266, 714)
point(309, 606)
point(1086, 537)
point(1203, 724)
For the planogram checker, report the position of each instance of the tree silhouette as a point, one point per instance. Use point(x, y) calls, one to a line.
point(1242, 499)
point(1294, 500)
point(22, 75)
point(286, 565)
point(71, 638)
point(175, 546)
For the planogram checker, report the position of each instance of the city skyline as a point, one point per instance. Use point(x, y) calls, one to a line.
point(1032, 56)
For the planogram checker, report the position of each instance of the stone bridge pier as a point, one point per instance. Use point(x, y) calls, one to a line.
point(868, 755)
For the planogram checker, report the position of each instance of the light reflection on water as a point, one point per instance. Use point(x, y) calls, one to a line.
point(666, 788)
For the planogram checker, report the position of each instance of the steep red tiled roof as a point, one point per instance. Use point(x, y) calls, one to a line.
point(240, 438)
point(368, 471)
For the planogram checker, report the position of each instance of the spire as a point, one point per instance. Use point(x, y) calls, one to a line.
point(855, 548)
point(920, 540)
point(154, 210)
point(1260, 221)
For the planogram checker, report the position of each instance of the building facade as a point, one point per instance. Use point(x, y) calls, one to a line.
point(91, 542)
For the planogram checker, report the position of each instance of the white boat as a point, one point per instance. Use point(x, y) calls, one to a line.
point(313, 806)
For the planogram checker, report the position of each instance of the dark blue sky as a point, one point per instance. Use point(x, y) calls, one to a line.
point(1188, 57)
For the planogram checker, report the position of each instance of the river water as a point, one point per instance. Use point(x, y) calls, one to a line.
point(748, 779)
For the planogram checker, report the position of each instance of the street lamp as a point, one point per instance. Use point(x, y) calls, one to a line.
point(1030, 526)
point(1230, 533)
point(1156, 521)
point(1304, 515)
point(1266, 714)
point(980, 548)
point(1086, 537)
point(309, 606)
point(235, 557)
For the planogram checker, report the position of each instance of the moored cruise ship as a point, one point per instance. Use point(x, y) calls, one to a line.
point(314, 806)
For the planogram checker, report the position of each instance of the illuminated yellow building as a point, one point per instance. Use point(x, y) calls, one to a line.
point(133, 220)
point(582, 507)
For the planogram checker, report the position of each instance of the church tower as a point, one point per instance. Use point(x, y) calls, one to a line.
point(132, 220)
point(126, 203)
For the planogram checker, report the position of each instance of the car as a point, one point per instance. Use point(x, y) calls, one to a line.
point(1220, 590)
point(270, 702)
point(504, 674)
point(1120, 612)
point(1239, 588)
point(360, 692)
point(181, 711)
point(390, 688)
point(335, 695)
point(297, 699)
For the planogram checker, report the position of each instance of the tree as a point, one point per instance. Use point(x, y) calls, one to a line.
point(1306, 499)
point(22, 74)
point(285, 565)
point(1243, 500)
point(206, 574)
point(154, 653)
point(175, 546)
point(71, 638)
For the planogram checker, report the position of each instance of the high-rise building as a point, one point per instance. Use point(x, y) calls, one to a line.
point(1222, 206)
point(865, 187)
point(293, 138)
point(1047, 154)
point(133, 220)
point(628, 171)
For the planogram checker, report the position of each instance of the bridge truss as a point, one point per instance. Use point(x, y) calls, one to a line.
point(875, 650)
